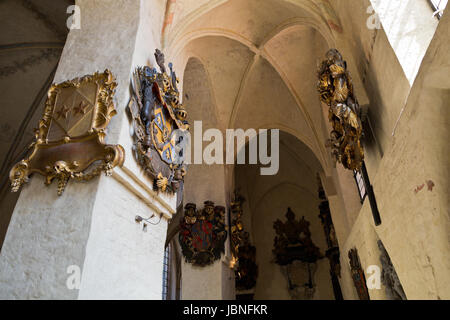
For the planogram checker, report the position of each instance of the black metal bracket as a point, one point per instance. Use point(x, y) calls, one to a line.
point(371, 195)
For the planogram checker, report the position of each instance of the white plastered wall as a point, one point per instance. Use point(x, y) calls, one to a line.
point(92, 225)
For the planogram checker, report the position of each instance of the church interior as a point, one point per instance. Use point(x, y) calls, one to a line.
point(101, 199)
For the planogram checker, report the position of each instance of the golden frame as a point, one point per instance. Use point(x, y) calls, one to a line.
point(73, 148)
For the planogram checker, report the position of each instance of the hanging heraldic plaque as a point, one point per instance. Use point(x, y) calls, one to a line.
point(159, 125)
point(202, 233)
point(335, 88)
point(70, 139)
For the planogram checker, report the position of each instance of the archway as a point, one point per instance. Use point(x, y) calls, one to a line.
point(267, 199)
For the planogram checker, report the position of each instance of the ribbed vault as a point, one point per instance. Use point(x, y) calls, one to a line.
point(261, 61)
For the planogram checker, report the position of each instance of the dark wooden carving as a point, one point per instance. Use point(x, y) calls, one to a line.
point(357, 273)
point(246, 271)
point(293, 241)
point(332, 252)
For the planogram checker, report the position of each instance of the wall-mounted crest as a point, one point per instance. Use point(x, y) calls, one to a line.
point(202, 233)
point(246, 271)
point(159, 123)
point(336, 90)
point(358, 276)
point(70, 138)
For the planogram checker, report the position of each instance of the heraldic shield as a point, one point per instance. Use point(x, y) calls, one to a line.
point(159, 125)
point(70, 139)
point(202, 233)
point(335, 88)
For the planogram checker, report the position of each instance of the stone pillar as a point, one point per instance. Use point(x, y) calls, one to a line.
point(337, 208)
point(92, 225)
point(207, 182)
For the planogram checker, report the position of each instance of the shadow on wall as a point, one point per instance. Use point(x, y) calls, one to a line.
point(29, 54)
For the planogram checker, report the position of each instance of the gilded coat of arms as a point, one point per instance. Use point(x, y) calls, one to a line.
point(70, 138)
point(202, 233)
point(159, 123)
point(336, 90)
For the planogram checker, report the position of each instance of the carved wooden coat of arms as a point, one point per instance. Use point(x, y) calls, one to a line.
point(336, 90)
point(70, 138)
point(159, 123)
point(202, 233)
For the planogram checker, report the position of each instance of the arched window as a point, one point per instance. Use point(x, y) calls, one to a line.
point(409, 26)
point(361, 186)
point(438, 6)
point(171, 284)
point(166, 272)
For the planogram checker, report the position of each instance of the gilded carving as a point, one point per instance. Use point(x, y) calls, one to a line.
point(159, 124)
point(246, 270)
point(70, 139)
point(336, 90)
point(202, 233)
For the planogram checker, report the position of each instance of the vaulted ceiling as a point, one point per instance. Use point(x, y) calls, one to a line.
point(260, 61)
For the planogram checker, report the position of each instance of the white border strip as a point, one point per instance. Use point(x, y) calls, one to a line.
point(128, 179)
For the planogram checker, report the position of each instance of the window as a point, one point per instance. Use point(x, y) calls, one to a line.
point(361, 186)
point(438, 7)
point(409, 26)
point(166, 267)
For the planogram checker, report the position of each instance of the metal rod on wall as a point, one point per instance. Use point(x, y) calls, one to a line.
point(371, 195)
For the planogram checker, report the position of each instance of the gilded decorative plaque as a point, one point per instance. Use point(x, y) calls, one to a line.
point(70, 139)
